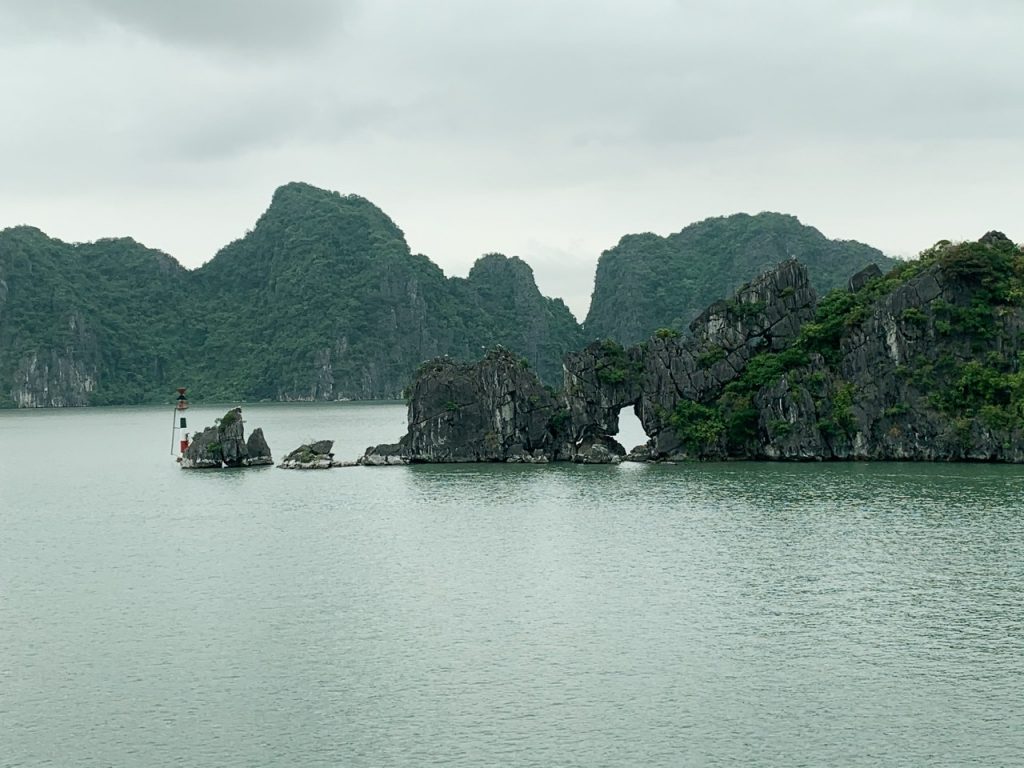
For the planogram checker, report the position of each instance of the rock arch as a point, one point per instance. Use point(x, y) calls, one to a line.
point(497, 409)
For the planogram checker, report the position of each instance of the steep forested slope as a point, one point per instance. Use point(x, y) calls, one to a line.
point(95, 323)
point(321, 300)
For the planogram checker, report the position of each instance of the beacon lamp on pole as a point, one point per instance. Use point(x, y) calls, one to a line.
point(180, 424)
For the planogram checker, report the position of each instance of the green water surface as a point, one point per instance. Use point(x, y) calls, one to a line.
point(490, 615)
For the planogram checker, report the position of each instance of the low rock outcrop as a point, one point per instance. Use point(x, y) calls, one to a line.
point(315, 455)
point(224, 445)
point(386, 455)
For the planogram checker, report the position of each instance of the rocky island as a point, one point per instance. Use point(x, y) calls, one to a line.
point(317, 454)
point(922, 363)
point(225, 445)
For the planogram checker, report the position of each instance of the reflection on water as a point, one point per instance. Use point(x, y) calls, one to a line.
point(706, 614)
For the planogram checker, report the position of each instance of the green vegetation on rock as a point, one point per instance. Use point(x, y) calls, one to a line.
point(322, 300)
point(936, 341)
point(95, 323)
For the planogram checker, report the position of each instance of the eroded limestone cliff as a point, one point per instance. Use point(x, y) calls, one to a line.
point(493, 410)
point(923, 363)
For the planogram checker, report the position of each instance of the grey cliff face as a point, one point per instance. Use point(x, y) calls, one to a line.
point(59, 376)
point(890, 369)
point(494, 410)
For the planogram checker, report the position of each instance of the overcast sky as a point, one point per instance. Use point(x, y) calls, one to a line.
point(544, 129)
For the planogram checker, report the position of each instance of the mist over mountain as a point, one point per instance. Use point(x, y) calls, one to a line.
point(323, 300)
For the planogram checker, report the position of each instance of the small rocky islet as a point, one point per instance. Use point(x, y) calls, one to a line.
point(922, 364)
point(225, 445)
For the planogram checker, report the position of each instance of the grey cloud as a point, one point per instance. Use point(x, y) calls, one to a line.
point(236, 127)
point(698, 71)
point(231, 25)
point(250, 25)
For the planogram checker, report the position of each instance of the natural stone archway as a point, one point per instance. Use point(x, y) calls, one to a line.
point(631, 432)
point(658, 374)
point(921, 364)
point(599, 381)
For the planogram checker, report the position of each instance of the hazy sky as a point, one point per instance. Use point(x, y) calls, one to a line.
point(543, 129)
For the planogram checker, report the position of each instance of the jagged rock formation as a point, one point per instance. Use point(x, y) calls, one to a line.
point(647, 282)
point(494, 410)
point(653, 378)
point(932, 371)
point(224, 445)
point(204, 451)
point(257, 449)
point(316, 455)
point(922, 364)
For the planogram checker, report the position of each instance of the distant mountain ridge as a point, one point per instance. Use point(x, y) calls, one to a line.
point(647, 282)
point(323, 300)
point(335, 305)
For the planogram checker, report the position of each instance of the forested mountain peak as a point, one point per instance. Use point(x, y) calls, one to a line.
point(498, 265)
point(300, 204)
point(648, 281)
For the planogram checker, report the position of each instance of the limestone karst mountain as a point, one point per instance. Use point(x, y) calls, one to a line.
point(648, 282)
point(923, 363)
point(322, 300)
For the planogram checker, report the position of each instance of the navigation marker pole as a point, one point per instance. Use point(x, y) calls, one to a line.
point(182, 424)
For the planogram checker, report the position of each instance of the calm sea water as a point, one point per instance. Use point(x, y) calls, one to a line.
point(706, 614)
